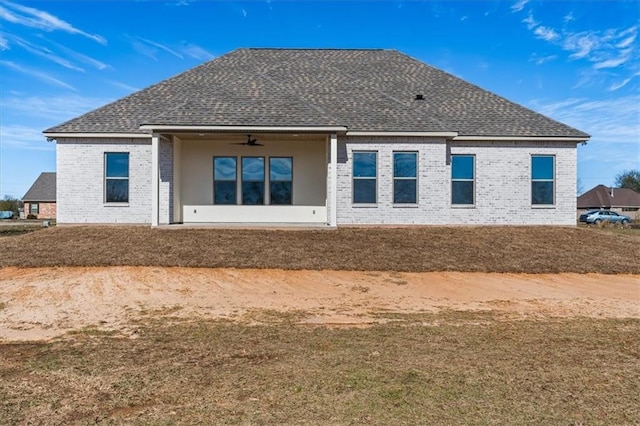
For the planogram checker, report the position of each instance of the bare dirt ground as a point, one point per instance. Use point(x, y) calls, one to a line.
point(41, 303)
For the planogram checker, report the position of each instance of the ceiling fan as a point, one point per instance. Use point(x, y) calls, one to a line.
point(249, 142)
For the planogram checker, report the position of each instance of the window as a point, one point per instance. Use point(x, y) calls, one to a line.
point(116, 177)
point(34, 208)
point(463, 180)
point(405, 177)
point(542, 179)
point(224, 180)
point(281, 180)
point(365, 169)
point(252, 180)
point(630, 209)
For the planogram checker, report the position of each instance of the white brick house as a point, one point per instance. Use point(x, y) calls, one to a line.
point(333, 137)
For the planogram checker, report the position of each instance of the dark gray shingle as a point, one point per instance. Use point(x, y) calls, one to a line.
point(43, 189)
point(364, 90)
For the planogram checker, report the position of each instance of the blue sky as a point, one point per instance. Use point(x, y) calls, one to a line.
point(575, 61)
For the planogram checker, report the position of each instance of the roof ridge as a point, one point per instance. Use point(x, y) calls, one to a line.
point(364, 49)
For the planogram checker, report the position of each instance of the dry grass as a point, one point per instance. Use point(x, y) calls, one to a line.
point(473, 249)
point(451, 368)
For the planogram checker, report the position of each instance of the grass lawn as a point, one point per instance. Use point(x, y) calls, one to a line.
point(466, 249)
point(453, 367)
point(448, 368)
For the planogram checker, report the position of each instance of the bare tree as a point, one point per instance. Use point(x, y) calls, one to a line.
point(9, 203)
point(629, 179)
point(579, 187)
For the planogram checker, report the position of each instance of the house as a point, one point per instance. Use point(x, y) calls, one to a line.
point(40, 199)
point(621, 200)
point(315, 136)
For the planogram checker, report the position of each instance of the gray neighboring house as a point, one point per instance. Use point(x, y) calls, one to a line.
point(315, 136)
point(40, 199)
point(621, 200)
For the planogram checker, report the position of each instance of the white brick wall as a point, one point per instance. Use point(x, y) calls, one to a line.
point(502, 195)
point(165, 155)
point(80, 181)
point(503, 183)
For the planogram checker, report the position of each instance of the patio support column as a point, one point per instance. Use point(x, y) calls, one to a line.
point(155, 189)
point(333, 175)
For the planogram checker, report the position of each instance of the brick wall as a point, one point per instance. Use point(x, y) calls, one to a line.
point(503, 183)
point(46, 210)
point(80, 180)
point(165, 194)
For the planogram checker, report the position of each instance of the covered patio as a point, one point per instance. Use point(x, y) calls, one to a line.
point(224, 175)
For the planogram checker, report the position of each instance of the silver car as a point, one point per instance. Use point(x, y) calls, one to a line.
point(598, 216)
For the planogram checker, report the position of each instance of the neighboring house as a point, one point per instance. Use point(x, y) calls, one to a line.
point(621, 200)
point(40, 199)
point(325, 136)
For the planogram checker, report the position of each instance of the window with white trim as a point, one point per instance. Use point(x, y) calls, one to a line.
point(34, 208)
point(116, 177)
point(365, 177)
point(463, 180)
point(542, 180)
point(405, 177)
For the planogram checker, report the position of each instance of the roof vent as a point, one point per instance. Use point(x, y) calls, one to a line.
point(419, 97)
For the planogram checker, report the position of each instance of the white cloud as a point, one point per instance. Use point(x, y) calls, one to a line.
point(580, 44)
point(611, 121)
point(4, 43)
point(614, 62)
point(568, 18)
point(621, 84)
point(35, 18)
point(539, 60)
point(81, 57)
point(123, 86)
point(52, 108)
point(612, 48)
point(627, 41)
point(196, 52)
point(519, 5)
point(43, 52)
point(37, 74)
point(23, 137)
point(545, 33)
point(151, 48)
point(161, 47)
point(531, 23)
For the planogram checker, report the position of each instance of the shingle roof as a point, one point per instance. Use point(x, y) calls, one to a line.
point(43, 189)
point(600, 197)
point(364, 90)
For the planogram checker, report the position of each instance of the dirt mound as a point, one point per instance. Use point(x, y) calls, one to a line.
point(42, 303)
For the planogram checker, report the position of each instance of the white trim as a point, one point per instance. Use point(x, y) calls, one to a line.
point(155, 187)
point(520, 138)
point(96, 135)
point(301, 129)
point(333, 170)
point(382, 133)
